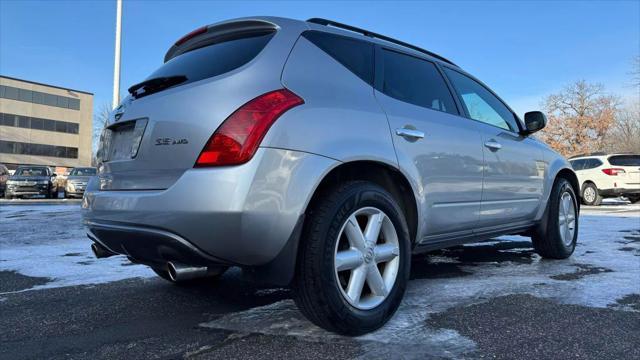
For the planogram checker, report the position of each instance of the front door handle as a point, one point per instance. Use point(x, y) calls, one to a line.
point(493, 145)
point(410, 134)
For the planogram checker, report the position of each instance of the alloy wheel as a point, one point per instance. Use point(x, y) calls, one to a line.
point(367, 258)
point(567, 218)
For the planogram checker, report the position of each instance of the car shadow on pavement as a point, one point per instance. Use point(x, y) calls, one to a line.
point(449, 263)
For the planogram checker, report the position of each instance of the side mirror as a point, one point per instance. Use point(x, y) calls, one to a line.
point(534, 121)
point(54, 175)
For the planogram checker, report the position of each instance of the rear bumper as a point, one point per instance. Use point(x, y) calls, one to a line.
point(242, 215)
point(153, 247)
point(619, 192)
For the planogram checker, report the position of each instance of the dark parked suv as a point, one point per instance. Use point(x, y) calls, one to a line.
point(31, 180)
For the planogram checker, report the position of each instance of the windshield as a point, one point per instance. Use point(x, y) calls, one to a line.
point(83, 172)
point(625, 160)
point(31, 171)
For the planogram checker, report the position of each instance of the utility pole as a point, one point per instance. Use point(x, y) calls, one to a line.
point(116, 66)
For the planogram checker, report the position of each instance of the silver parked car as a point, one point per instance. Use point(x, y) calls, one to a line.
point(77, 181)
point(321, 156)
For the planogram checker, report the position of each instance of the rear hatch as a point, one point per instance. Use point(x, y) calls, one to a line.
point(158, 131)
point(630, 164)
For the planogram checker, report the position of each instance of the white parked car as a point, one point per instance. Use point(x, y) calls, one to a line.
point(602, 176)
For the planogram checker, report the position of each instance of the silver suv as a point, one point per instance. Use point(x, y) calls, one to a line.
point(321, 156)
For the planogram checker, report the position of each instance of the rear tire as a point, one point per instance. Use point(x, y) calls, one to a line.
point(556, 236)
point(590, 195)
point(325, 287)
point(634, 199)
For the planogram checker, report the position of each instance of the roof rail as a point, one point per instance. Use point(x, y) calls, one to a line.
point(596, 153)
point(371, 34)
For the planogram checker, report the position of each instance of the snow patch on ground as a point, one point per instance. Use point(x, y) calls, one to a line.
point(601, 274)
point(50, 241)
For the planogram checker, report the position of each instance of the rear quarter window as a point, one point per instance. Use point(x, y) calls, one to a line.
point(355, 55)
point(416, 81)
point(624, 160)
point(215, 59)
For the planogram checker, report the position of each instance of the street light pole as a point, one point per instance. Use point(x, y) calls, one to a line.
point(116, 67)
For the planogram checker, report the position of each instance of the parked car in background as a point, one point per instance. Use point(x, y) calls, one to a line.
point(31, 180)
point(602, 176)
point(4, 175)
point(77, 181)
point(277, 146)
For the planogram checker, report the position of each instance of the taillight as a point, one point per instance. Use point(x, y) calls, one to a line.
point(194, 33)
point(236, 140)
point(613, 171)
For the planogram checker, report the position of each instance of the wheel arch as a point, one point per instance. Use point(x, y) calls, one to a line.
point(385, 175)
point(281, 270)
point(570, 176)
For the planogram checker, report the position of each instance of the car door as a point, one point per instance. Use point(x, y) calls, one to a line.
point(514, 166)
point(439, 150)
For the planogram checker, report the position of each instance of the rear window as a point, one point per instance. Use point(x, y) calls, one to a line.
point(625, 160)
point(215, 59)
point(355, 55)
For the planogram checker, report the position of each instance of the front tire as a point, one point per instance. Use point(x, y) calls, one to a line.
point(634, 199)
point(556, 236)
point(354, 259)
point(590, 195)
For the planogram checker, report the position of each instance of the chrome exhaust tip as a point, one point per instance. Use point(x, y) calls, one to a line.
point(180, 272)
point(100, 251)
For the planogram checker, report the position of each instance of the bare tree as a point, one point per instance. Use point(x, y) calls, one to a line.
point(635, 72)
point(580, 116)
point(99, 123)
point(624, 135)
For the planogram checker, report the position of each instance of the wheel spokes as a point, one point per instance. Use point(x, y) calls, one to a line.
point(348, 259)
point(367, 252)
point(375, 281)
point(562, 219)
point(374, 224)
point(567, 204)
point(386, 252)
point(354, 234)
point(356, 283)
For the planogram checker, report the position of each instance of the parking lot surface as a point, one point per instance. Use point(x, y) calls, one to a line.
point(493, 299)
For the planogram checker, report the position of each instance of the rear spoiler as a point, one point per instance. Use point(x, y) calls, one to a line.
point(212, 34)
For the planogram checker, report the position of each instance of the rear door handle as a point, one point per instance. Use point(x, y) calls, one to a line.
point(408, 134)
point(493, 145)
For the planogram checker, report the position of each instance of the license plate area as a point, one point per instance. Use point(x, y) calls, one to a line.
point(122, 141)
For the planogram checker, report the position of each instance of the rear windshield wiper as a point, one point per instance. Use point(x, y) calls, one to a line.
point(154, 85)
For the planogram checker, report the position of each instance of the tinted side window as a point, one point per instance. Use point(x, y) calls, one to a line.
point(357, 56)
point(573, 164)
point(593, 163)
point(415, 81)
point(578, 164)
point(481, 104)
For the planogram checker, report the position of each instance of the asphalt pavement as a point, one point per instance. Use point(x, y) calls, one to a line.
point(493, 299)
